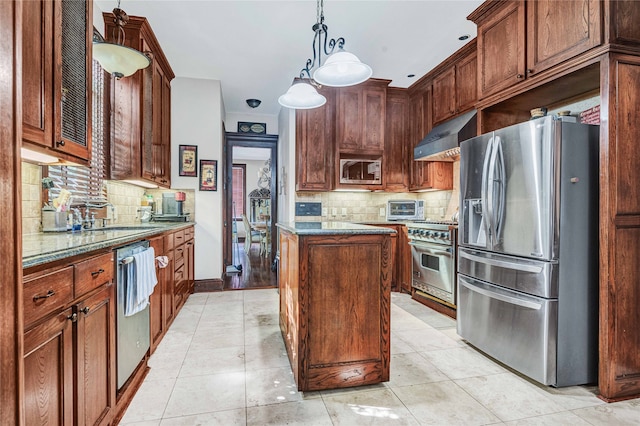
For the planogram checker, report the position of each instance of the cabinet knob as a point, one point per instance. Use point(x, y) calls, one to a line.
point(73, 317)
point(530, 71)
point(60, 143)
point(519, 76)
point(85, 310)
point(163, 181)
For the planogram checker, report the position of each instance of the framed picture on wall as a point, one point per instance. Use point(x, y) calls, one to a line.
point(188, 160)
point(208, 175)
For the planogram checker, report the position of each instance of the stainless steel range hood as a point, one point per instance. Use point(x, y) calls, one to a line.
point(443, 142)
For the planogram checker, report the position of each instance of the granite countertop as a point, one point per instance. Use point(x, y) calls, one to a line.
point(332, 228)
point(46, 247)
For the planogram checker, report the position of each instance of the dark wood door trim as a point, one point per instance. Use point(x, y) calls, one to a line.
point(11, 321)
point(250, 141)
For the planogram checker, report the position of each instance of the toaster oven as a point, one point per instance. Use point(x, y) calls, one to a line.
point(405, 210)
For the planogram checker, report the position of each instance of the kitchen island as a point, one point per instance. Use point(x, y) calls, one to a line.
point(335, 291)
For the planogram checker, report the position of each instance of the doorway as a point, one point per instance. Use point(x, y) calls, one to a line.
point(250, 210)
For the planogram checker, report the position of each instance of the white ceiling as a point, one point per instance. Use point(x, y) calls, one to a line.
point(256, 48)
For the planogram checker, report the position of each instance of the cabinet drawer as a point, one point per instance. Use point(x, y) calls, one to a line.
point(168, 242)
point(178, 256)
point(94, 272)
point(178, 238)
point(47, 292)
point(188, 234)
point(180, 276)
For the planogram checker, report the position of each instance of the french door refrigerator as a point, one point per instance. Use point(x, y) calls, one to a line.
point(528, 249)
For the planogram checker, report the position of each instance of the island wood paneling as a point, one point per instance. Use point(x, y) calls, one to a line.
point(11, 340)
point(335, 293)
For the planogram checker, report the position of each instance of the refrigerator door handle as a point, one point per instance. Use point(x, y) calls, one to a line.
point(502, 297)
point(490, 182)
point(486, 213)
point(499, 171)
point(501, 263)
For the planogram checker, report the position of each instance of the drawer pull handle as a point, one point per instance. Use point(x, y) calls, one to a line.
point(96, 273)
point(46, 296)
point(85, 310)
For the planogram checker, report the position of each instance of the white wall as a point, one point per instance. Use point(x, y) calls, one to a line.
point(231, 121)
point(196, 119)
point(286, 165)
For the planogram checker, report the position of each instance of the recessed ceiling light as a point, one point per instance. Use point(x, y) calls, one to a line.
point(411, 75)
point(464, 37)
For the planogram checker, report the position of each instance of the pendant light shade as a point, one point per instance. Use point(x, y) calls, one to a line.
point(342, 69)
point(120, 61)
point(302, 96)
point(116, 58)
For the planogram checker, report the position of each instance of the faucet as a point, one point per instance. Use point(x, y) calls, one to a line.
point(87, 222)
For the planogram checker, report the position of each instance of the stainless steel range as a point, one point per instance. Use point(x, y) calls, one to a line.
point(433, 249)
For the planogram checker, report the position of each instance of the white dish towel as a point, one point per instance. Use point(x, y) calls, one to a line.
point(140, 281)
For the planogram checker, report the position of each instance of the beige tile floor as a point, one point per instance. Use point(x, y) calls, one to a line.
point(223, 363)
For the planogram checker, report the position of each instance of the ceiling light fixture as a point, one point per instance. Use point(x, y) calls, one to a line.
point(253, 103)
point(339, 70)
point(116, 58)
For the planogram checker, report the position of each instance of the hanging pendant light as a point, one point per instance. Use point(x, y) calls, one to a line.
point(302, 96)
point(116, 58)
point(339, 70)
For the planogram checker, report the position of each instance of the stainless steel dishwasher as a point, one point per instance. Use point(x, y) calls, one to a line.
point(133, 331)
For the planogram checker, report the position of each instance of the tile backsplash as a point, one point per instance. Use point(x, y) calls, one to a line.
point(31, 195)
point(126, 199)
point(367, 206)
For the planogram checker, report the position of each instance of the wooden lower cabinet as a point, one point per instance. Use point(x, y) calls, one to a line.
point(96, 358)
point(156, 317)
point(334, 316)
point(48, 371)
point(70, 357)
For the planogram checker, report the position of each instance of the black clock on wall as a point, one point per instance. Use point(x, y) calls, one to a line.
point(255, 128)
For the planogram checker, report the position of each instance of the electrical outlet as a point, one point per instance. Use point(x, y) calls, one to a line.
point(334, 211)
point(344, 211)
point(382, 212)
point(325, 211)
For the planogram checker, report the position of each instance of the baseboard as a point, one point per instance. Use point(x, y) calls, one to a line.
point(203, 286)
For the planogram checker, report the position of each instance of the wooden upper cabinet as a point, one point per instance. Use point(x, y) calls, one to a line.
point(518, 39)
point(396, 152)
point(360, 117)
point(455, 88)
point(444, 95)
point(141, 135)
point(501, 46)
point(467, 82)
point(623, 22)
point(315, 145)
point(56, 102)
point(559, 30)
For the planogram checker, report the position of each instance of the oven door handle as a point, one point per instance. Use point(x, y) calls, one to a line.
point(428, 248)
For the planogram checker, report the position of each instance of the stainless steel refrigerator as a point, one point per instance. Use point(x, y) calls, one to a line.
point(528, 249)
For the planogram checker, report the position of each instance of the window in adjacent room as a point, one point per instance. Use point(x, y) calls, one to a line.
point(239, 186)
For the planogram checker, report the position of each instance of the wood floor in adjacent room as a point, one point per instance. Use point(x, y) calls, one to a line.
point(256, 270)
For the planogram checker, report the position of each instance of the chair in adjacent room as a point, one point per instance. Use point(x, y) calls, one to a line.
point(265, 241)
point(251, 235)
